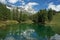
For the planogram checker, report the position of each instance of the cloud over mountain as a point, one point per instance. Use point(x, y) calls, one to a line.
point(12, 1)
point(29, 7)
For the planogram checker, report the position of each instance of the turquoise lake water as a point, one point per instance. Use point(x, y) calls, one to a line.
point(26, 32)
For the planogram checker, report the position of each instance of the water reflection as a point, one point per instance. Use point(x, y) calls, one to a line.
point(55, 37)
point(29, 32)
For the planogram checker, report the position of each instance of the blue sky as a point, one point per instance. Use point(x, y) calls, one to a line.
point(40, 4)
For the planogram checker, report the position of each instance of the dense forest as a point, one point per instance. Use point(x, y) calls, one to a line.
point(42, 16)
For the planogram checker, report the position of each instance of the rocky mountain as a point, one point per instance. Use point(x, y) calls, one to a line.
point(11, 7)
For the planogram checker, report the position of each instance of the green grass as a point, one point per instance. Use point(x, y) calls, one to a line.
point(55, 23)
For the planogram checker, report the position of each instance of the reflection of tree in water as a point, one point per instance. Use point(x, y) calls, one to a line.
point(43, 30)
point(3, 32)
point(50, 32)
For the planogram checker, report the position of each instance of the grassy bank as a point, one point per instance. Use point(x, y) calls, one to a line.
point(55, 23)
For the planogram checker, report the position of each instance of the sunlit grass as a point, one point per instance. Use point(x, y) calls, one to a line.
point(55, 23)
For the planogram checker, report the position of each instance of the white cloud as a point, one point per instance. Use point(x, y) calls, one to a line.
point(54, 7)
point(3, 1)
point(23, 3)
point(29, 7)
point(12, 1)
